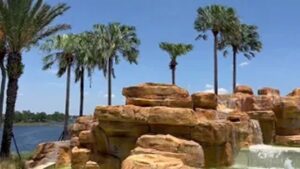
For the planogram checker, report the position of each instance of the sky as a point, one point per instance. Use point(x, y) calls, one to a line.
point(277, 65)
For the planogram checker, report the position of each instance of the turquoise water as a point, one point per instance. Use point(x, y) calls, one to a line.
point(28, 137)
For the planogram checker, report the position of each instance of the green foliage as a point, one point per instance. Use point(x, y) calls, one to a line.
point(26, 22)
point(113, 41)
point(65, 47)
point(175, 50)
point(242, 38)
point(39, 117)
point(215, 18)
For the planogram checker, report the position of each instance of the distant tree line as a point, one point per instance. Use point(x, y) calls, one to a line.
point(26, 116)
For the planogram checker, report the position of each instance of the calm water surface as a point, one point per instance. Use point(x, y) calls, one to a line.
point(29, 136)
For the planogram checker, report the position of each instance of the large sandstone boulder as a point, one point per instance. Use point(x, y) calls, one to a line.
point(287, 113)
point(80, 157)
point(267, 121)
point(153, 161)
point(205, 100)
point(81, 124)
point(295, 92)
point(246, 131)
point(207, 114)
point(292, 141)
point(238, 102)
point(154, 94)
point(155, 91)
point(268, 91)
point(55, 154)
point(189, 152)
point(215, 138)
point(150, 115)
point(243, 89)
point(180, 102)
point(121, 126)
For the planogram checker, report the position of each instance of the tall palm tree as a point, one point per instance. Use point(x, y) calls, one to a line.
point(85, 63)
point(65, 58)
point(242, 38)
point(24, 23)
point(214, 18)
point(116, 40)
point(174, 51)
point(3, 53)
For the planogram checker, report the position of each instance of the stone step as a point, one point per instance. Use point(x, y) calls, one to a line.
point(292, 141)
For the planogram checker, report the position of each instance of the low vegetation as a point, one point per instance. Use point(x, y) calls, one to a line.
point(14, 162)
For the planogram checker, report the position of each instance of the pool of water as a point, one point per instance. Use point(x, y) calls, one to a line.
point(268, 157)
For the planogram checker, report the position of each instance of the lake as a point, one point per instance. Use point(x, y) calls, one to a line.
point(29, 136)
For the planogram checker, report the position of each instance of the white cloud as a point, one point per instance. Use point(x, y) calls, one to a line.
point(210, 89)
point(243, 64)
point(208, 86)
point(220, 91)
point(112, 96)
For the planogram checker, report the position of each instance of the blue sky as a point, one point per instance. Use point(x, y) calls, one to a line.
point(170, 20)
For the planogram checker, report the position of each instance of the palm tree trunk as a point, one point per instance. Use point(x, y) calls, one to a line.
point(110, 64)
point(14, 69)
point(2, 88)
point(216, 62)
point(66, 120)
point(234, 70)
point(173, 76)
point(81, 92)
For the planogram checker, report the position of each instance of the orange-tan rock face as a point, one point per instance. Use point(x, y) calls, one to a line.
point(295, 92)
point(267, 123)
point(189, 152)
point(268, 91)
point(52, 154)
point(153, 161)
point(243, 89)
point(153, 94)
point(124, 124)
point(153, 129)
point(288, 116)
point(205, 100)
point(293, 140)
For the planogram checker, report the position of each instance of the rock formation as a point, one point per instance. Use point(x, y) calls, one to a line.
point(162, 126)
point(188, 153)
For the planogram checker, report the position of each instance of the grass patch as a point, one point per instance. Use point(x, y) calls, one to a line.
point(14, 162)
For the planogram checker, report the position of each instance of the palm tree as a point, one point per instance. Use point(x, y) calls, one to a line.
point(242, 38)
point(85, 62)
point(65, 58)
point(174, 51)
point(115, 40)
point(215, 18)
point(3, 73)
point(24, 23)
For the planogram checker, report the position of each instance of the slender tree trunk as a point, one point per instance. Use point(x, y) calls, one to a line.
point(110, 64)
point(216, 86)
point(234, 70)
point(14, 69)
point(2, 88)
point(81, 92)
point(66, 120)
point(173, 76)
